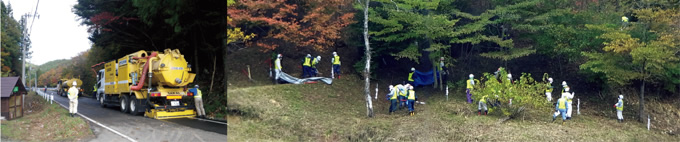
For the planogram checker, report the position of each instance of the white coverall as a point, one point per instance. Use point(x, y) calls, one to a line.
point(73, 100)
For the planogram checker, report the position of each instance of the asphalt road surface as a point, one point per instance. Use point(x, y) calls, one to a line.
point(141, 128)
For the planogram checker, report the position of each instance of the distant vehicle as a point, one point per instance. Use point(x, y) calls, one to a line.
point(64, 84)
point(153, 83)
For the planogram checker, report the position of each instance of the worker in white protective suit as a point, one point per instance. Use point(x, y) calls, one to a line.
point(570, 96)
point(73, 99)
point(619, 109)
point(549, 89)
point(277, 68)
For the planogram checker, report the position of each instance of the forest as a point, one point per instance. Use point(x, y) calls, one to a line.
point(603, 48)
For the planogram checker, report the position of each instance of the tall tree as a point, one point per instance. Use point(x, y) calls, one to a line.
point(11, 42)
point(646, 58)
point(367, 70)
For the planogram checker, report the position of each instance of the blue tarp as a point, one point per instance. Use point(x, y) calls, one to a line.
point(423, 78)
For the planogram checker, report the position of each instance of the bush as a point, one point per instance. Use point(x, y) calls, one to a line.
point(525, 93)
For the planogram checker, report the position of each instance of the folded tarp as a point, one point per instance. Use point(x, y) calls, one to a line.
point(423, 78)
point(294, 80)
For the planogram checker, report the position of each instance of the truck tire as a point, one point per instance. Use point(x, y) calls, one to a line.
point(101, 100)
point(124, 103)
point(134, 106)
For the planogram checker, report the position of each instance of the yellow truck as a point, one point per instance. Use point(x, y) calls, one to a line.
point(64, 84)
point(149, 82)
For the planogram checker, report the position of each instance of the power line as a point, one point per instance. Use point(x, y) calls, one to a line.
point(35, 13)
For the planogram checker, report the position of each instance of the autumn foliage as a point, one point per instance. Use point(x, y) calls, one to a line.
point(309, 23)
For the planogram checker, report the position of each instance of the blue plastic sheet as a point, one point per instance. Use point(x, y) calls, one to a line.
point(423, 78)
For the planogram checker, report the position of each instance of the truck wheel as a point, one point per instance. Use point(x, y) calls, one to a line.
point(134, 106)
point(101, 100)
point(124, 103)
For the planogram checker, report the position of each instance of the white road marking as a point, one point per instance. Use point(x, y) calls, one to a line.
point(208, 120)
point(95, 122)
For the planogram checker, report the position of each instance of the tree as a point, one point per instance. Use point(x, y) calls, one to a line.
point(310, 24)
point(647, 58)
point(367, 70)
point(11, 43)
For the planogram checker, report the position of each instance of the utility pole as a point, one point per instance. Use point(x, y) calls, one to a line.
point(25, 38)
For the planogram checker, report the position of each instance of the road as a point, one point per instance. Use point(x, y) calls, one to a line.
point(141, 128)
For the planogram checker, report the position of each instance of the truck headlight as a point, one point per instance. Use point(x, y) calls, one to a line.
point(178, 80)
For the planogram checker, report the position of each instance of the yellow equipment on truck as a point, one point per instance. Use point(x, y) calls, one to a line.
point(154, 83)
point(64, 84)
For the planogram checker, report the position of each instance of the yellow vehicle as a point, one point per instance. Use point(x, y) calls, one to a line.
point(153, 83)
point(64, 84)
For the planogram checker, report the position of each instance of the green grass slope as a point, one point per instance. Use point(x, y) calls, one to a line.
point(320, 112)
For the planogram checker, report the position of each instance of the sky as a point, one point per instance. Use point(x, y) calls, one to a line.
point(57, 33)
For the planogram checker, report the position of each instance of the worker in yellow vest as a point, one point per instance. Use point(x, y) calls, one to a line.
point(561, 107)
point(619, 109)
point(624, 22)
point(394, 91)
point(482, 104)
point(410, 76)
point(411, 100)
point(315, 62)
point(403, 92)
point(307, 66)
point(549, 89)
point(73, 99)
point(198, 101)
point(336, 65)
point(470, 84)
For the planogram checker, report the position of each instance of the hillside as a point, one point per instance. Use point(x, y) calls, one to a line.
point(319, 112)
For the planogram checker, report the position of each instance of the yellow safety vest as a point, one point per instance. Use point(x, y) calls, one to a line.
point(307, 62)
point(483, 99)
point(469, 84)
point(401, 93)
point(314, 62)
point(411, 95)
point(277, 66)
point(550, 88)
point(624, 19)
point(620, 107)
point(562, 103)
point(395, 92)
point(336, 60)
point(198, 94)
point(410, 76)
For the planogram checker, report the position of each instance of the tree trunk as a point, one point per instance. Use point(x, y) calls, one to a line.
point(642, 94)
point(198, 71)
point(367, 70)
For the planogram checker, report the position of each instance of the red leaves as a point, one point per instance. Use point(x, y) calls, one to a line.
point(309, 23)
point(106, 18)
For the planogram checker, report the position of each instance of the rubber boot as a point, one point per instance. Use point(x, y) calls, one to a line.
point(479, 112)
point(563, 122)
point(338, 76)
point(486, 112)
point(553, 119)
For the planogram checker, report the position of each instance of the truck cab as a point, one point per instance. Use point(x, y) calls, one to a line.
point(100, 84)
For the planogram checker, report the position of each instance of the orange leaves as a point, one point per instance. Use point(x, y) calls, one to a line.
point(308, 23)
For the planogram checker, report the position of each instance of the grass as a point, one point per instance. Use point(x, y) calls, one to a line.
point(319, 112)
point(45, 122)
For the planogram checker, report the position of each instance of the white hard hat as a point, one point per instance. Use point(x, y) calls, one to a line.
point(442, 58)
point(413, 69)
point(564, 83)
point(308, 55)
point(410, 87)
point(280, 55)
point(318, 57)
point(620, 96)
point(550, 79)
point(391, 87)
point(509, 75)
point(335, 53)
point(75, 83)
point(471, 76)
point(566, 89)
